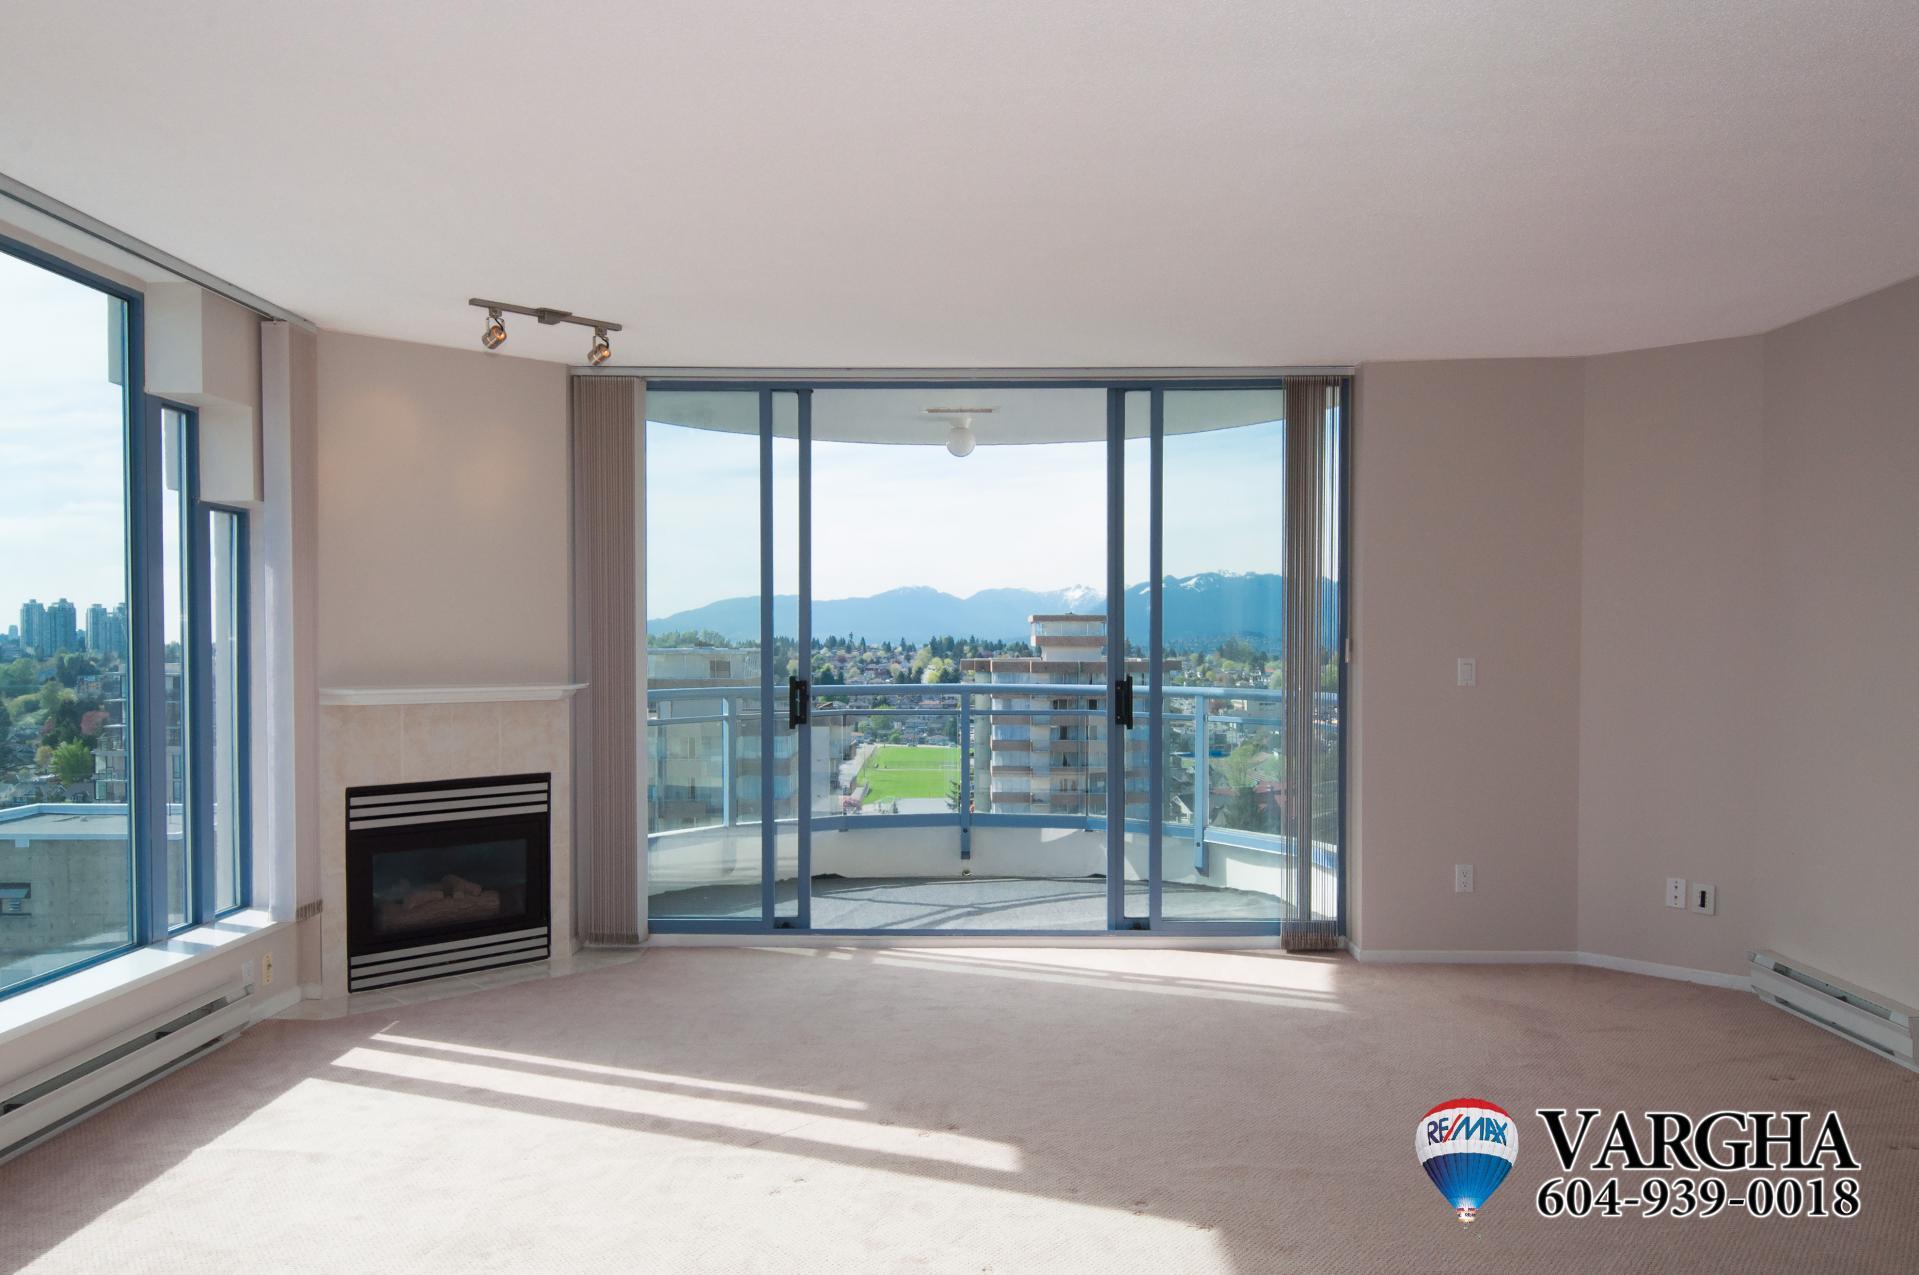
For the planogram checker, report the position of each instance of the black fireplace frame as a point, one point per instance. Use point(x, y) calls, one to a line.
point(383, 817)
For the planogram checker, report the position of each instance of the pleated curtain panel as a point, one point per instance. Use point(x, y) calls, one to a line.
point(1311, 403)
point(607, 414)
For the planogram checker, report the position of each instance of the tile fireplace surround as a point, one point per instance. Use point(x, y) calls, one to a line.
point(400, 735)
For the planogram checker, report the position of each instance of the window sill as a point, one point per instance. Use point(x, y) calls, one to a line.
point(99, 984)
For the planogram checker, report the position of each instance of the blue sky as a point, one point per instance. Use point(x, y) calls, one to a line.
point(1030, 517)
point(62, 522)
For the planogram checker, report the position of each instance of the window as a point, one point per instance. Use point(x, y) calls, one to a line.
point(225, 791)
point(122, 684)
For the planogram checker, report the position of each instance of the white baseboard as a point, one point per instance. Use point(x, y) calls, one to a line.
point(1594, 960)
point(1653, 969)
point(1460, 956)
point(278, 1003)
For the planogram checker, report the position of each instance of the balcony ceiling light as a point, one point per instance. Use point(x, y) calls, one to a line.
point(959, 439)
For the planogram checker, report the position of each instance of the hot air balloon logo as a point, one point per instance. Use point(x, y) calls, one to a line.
point(1466, 1147)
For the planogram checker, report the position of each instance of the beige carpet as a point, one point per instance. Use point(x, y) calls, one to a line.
point(735, 1110)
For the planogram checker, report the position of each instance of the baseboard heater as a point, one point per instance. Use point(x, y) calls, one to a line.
point(1878, 1023)
point(41, 1104)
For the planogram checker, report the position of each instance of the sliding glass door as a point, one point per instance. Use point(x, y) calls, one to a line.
point(995, 658)
point(960, 690)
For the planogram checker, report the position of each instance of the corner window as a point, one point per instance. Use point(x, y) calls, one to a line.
point(122, 640)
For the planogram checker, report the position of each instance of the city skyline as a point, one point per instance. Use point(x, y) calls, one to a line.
point(62, 443)
point(46, 629)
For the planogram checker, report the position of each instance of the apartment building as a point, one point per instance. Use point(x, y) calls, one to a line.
point(1046, 749)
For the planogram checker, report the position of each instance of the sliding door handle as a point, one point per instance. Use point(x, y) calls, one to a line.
point(799, 695)
point(1123, 702)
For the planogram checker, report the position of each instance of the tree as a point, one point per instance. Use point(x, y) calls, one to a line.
point(51, 695)
point(71, 666)
point(953, 795)
point(19, 677)
point(1237, 650)
point(72, 761)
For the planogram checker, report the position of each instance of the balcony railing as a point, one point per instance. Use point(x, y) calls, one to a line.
point(1223, 776)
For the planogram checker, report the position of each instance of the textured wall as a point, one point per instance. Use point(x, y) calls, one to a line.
point(1669, 653)
point(443, 516)
point(1466, 543)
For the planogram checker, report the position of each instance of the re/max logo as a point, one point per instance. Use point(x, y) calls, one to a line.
point(1484, 1128)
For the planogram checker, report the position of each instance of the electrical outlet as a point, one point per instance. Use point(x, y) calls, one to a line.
point(1703, 898)
point(266, 970)
point(1462, 878)
point(1468, 671)
point(1675, 892)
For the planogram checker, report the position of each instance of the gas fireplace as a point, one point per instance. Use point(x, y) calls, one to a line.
point(447, 877)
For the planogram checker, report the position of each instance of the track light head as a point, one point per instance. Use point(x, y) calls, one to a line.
point(493, 336)
point(601, 350)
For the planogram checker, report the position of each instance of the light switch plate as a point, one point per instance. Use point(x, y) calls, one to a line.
point(1703, 898)
point(1468, 671)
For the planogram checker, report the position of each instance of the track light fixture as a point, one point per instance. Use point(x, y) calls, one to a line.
point(493, 336)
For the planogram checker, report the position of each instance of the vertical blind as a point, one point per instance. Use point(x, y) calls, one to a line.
point(608, 889)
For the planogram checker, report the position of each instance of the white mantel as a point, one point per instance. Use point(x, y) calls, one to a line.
point(448, 694)
point(406, 734)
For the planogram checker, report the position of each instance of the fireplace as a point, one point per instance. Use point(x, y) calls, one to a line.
point(448, 877)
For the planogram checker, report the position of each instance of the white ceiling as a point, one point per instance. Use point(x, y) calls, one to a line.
point(997, 182)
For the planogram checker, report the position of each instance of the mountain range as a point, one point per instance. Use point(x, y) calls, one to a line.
point(1201, 611)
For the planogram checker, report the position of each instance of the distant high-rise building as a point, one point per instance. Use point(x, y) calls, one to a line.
point(120, 643)
point(33, 626)
point(1046, 751)
point(63, 628)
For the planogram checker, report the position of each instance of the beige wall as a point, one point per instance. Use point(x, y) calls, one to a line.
point(1670, 622)
point(1839, 774)
point(443, 516)
point(1466, 543)
point(1749, 706)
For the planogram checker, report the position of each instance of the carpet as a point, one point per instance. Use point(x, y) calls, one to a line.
point(952, 1110)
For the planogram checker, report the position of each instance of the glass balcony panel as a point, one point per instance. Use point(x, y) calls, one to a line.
point(1223, 760)
point(704, 679)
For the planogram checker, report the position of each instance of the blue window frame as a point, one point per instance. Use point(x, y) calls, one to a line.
point(151, 690)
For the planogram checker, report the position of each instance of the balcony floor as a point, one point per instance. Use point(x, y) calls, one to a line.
point(964, 903)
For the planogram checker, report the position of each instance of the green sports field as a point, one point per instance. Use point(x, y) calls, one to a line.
point(909, 770)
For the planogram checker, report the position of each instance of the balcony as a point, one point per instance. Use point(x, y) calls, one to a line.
point(924, 814)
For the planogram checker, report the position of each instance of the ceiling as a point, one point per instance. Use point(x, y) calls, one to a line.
point(996, 182)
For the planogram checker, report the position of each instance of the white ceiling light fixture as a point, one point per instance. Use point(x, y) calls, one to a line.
point(959, 439)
